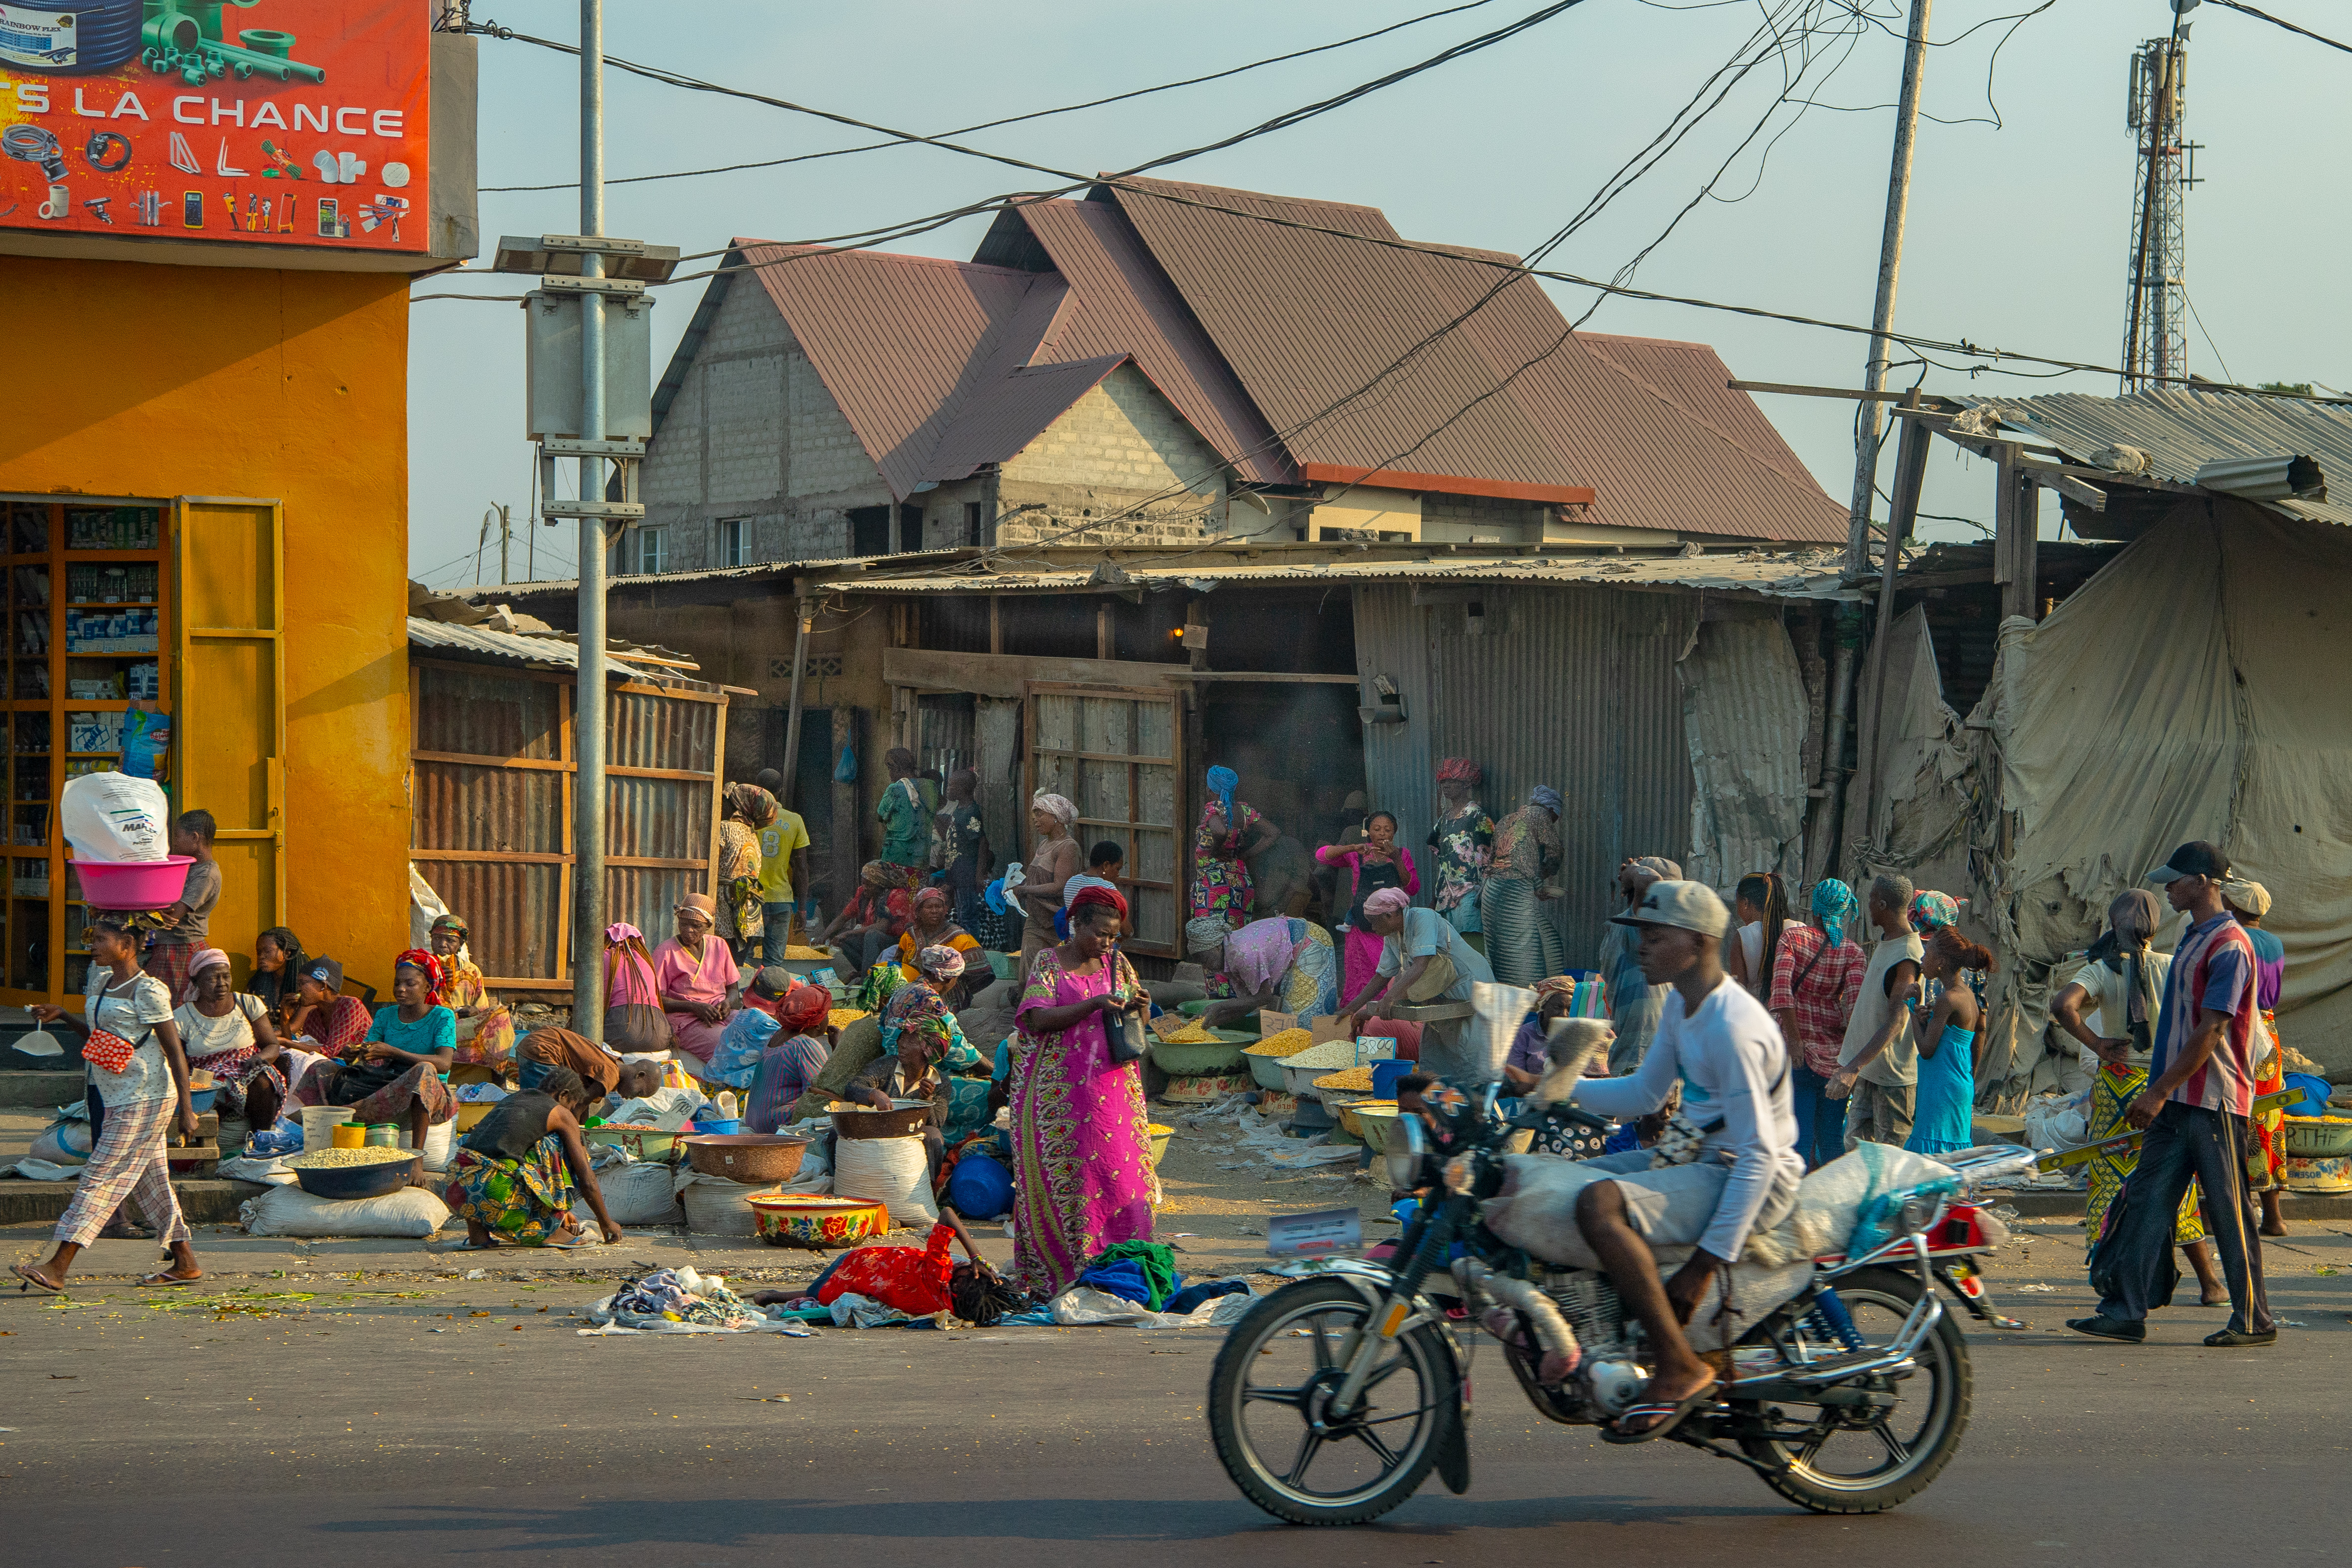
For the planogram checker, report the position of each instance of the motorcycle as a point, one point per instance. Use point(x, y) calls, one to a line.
point(1333, 1399)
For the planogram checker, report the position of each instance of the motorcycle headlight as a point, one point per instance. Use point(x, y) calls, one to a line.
point(1405, 1151)
point(1919, 1214)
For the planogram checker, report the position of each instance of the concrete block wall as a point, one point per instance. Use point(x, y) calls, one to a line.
point(1460, 520)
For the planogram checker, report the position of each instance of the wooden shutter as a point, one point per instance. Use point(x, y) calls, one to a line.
point(228, 713)
point(1119, 755)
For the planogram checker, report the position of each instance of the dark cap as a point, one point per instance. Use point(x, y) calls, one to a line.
point(327, 972)
point(2195, 858)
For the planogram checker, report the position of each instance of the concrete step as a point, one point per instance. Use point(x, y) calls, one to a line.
point(43, 1088)
point(207, 1202)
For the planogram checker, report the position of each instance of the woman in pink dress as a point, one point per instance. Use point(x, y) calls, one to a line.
point(1082, 1172)
point(700, 986)
point(1378, 862)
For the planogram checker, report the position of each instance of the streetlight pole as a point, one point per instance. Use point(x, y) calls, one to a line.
point(588, 705)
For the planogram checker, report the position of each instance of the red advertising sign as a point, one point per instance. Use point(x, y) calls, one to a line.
point(253, 122)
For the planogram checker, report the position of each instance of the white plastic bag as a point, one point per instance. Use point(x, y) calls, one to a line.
point(412, 1211)
point(639, 1193)
point(891, 1171)
point(113, 816)
point(63, 1144)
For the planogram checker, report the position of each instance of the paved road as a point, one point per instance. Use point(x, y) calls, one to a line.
point(351, 1435)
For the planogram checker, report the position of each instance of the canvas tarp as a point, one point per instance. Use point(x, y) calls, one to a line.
point(2191, 690)
point(1744, 716)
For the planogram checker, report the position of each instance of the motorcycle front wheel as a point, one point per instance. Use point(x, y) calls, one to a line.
point(1829, 1459)
point(1269, 1407)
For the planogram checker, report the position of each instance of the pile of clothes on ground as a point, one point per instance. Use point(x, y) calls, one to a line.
point(685, 1301)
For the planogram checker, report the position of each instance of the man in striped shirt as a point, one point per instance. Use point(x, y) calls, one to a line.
point(2195, 1112)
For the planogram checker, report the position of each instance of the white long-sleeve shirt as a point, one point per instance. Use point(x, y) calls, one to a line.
point(1730, 1048)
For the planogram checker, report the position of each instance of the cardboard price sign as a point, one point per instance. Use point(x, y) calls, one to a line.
point(280, 122)
point(1326, 1234)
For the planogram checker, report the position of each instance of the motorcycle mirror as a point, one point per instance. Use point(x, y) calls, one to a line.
point(1405, 1152)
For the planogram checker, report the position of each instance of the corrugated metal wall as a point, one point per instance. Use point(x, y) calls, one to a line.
point(1570, 687)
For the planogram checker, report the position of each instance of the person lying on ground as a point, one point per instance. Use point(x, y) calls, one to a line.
point(917, 1280)
point(394, 1075)
point(520, 1174)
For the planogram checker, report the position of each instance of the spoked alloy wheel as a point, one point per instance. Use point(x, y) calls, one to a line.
point(1270, 1399)
point(1850, 1459)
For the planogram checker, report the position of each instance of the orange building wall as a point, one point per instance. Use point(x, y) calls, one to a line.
point(156, 381)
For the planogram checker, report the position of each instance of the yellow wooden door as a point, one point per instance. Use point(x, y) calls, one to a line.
point(228, 715)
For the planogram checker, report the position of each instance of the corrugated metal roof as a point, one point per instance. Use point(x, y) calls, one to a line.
point(996, 427)
point(1306, 318)
point(1812, 575)
point(1120, 302)
point(2183, 430)
point(543, 653)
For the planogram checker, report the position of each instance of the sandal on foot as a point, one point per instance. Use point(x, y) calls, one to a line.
point(1672, 1417)
point(166, 1277)
point(29, 1280)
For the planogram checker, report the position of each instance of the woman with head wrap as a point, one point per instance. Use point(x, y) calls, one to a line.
point(1815, 976)
point(792, 1057)
point(1521, 944)
point(870, 924)
point(1634, 1004)
point(485, 1028)
point(1054, 858)
point(744, 810)
point(2265, 1168)
point(933, 925)
point(230, 1037)
point(1378, 862)
point(1422, 960)
point(633, 1010)
point(1082, 1173)
point(1463, 842)
point(905, 814)
point(1279, 962)
point(1230, 831)
point(2121, 984)
point(700, 986)
point(395, 1074)
point(925, 1056)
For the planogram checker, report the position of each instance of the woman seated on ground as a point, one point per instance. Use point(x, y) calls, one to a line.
point(934, 926)
point(486, 1032)
point(395, 1073)
point(871, 922)
point(519, 1174)
point(700, 986)
point(792, 1056)
point(330, 1023)
point(925, 1057)
point(230, 1037)
point(1280, 963)
point(277, 966)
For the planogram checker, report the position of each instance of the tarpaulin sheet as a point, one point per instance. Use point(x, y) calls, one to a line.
point(1744, 714)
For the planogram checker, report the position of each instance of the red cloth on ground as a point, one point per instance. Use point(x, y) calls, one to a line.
point(912, 1279)
point(1407, 1036)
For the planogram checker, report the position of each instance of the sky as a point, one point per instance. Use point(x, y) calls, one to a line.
point(2019, 222)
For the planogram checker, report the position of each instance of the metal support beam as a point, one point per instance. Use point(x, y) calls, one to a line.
point(588, 711)
point(2017, 519)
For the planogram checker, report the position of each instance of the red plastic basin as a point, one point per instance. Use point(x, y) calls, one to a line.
point(132, 884)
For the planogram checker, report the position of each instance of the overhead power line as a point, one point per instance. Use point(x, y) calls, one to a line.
point(1018, 118)
point(2282, 22)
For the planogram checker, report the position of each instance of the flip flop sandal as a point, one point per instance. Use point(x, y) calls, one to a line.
point(27, 1281)
point(166, 1277)
point(474, 1246)
point(1673, 1416)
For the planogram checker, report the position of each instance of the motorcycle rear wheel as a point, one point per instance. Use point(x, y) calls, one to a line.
point(1285, 1356)
point(1914, 1440)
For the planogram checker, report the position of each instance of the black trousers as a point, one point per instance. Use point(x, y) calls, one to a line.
point(2133, 1269)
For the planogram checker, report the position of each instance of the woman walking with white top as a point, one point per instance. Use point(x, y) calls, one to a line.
point(133, 1060)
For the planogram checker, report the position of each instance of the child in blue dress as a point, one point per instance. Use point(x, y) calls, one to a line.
point(1947, 1028)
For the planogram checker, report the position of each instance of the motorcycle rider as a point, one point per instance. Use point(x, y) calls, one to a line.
point(1742, 1173)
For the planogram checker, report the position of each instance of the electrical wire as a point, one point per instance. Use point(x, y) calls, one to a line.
point(2282, 22)
point(2202, 332)
point(1019, 119)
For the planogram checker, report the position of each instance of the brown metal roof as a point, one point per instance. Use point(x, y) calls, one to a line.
point(1012, 413)
point(1306, 318)
point(1120, 302)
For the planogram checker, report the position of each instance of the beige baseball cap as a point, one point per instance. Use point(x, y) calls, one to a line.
point(1693, 906)
point(2247, 897)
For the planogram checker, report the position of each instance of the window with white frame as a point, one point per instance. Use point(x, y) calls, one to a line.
point(734, 541)
point(653, 550)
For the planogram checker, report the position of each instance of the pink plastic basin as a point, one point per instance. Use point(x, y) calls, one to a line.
point(132, 884)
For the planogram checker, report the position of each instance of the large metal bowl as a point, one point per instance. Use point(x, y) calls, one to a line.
point(747, 1156)
point(359, 1181)
point(1188, 1059)
point(905, 1118)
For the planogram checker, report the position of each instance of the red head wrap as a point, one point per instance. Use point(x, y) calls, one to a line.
point(425, 963)
point(1099, 895)
point(803, 1008)
point(1459, 770)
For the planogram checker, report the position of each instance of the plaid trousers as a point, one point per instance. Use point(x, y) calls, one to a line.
point(127, 1161)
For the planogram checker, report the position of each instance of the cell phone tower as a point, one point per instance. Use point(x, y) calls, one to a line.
point(2156, 312)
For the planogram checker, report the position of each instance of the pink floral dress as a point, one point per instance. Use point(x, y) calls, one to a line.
point(1082, 1172)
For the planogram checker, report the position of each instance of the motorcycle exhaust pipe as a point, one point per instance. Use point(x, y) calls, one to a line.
point(1561, 1353)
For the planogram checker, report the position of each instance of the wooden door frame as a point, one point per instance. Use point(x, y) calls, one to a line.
point(1173, 701)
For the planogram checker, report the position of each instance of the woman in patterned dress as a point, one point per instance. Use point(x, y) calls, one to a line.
point(1230, 831)
point(1082, 1172)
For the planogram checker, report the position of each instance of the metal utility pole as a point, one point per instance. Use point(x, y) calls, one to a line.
point(588, 704)
point(1882, 315)
point(2156, 315)
point(505, 541)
